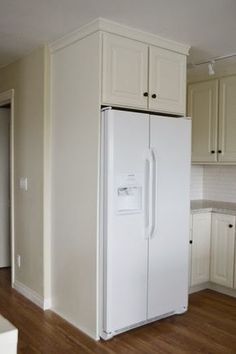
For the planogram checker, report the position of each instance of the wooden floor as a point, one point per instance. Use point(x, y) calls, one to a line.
point(209, 326)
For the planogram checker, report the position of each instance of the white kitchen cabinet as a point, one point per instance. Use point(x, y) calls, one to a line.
point(200, 252)
point(139, 75)
point(125, 71)
point(167, 81)
point(203, 108)
point(222, 249)
point(213, 129)
point(227, 120)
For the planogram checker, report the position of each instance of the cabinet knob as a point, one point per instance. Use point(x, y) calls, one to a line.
point(212, 151)
point(219, 151)
point(145, 94)
point(191, 241)
point(230, 226)
point(154, 95)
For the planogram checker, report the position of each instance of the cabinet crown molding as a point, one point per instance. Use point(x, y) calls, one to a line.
point(104, 25)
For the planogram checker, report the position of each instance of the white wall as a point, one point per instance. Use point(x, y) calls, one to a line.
point(213, 183)
point(75, 159)
point(27, 77)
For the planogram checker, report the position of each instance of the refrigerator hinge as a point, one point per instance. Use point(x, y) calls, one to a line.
point(106, 109)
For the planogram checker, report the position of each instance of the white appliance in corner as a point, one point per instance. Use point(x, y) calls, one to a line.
point(145, 218)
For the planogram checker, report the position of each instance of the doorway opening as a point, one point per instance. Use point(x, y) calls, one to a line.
point(6, 184)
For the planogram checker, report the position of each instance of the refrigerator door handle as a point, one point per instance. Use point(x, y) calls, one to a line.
point(148, 194)
point(153, 193)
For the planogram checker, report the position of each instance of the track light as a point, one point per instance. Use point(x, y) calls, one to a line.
point(211, 62)
point(211, 70)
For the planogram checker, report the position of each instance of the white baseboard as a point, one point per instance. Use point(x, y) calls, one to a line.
point(199, 287)
point(32, 295)
point(212, 286)
point(222, 289)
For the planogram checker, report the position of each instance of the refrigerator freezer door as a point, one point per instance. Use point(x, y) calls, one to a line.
point(126, 139)
point(168, 245)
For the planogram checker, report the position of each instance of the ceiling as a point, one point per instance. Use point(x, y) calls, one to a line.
point(209, 26)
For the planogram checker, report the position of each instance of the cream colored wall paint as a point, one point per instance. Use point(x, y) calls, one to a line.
point(75, 159)
point(47, 176)
point(26, 77)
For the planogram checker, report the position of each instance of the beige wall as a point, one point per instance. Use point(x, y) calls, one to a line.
point(27, 78)
point(75, 159)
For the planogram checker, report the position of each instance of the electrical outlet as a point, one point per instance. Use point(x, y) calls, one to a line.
point(18, 260)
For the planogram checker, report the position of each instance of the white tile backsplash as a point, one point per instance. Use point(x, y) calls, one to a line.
point(196, 182)
point(213, 183)
point(219, 183)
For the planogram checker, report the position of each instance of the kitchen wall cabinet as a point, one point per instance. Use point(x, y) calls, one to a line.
point(203, 108)
point(125, 71)
point(139, 75)
point(222, 249)
point(200, 250)
point(213, 130)
point(227, 119)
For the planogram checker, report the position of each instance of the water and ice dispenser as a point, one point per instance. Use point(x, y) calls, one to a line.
point(129, 193)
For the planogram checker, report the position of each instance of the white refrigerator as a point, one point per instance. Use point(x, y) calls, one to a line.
point(145, 208)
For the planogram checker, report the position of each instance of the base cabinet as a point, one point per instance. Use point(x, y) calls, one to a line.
point(213, 250)
point(222, 250)
point(201, 240)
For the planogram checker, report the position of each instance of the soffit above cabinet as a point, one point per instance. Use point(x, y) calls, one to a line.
point(104, 25)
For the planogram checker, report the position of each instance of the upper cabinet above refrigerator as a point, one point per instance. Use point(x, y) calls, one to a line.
point(139, 75)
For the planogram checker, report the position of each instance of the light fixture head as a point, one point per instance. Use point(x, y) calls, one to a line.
point(211, 70)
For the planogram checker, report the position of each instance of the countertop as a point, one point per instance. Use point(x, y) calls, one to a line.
point(8, 333)
point(203, 206)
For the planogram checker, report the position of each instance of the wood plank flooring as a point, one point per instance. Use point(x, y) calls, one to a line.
point(209, 326)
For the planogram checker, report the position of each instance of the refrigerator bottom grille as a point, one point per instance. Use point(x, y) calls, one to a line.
point(109, 335)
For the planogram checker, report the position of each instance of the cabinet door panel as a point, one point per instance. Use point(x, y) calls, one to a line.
point(222, 249)
point(201, 235)
point(227, 120)
point(125, 71)
point(203, 108)
point(167, 79)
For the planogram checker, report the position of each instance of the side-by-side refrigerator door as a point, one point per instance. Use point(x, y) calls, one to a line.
point(126, 138)
point(168, 244)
